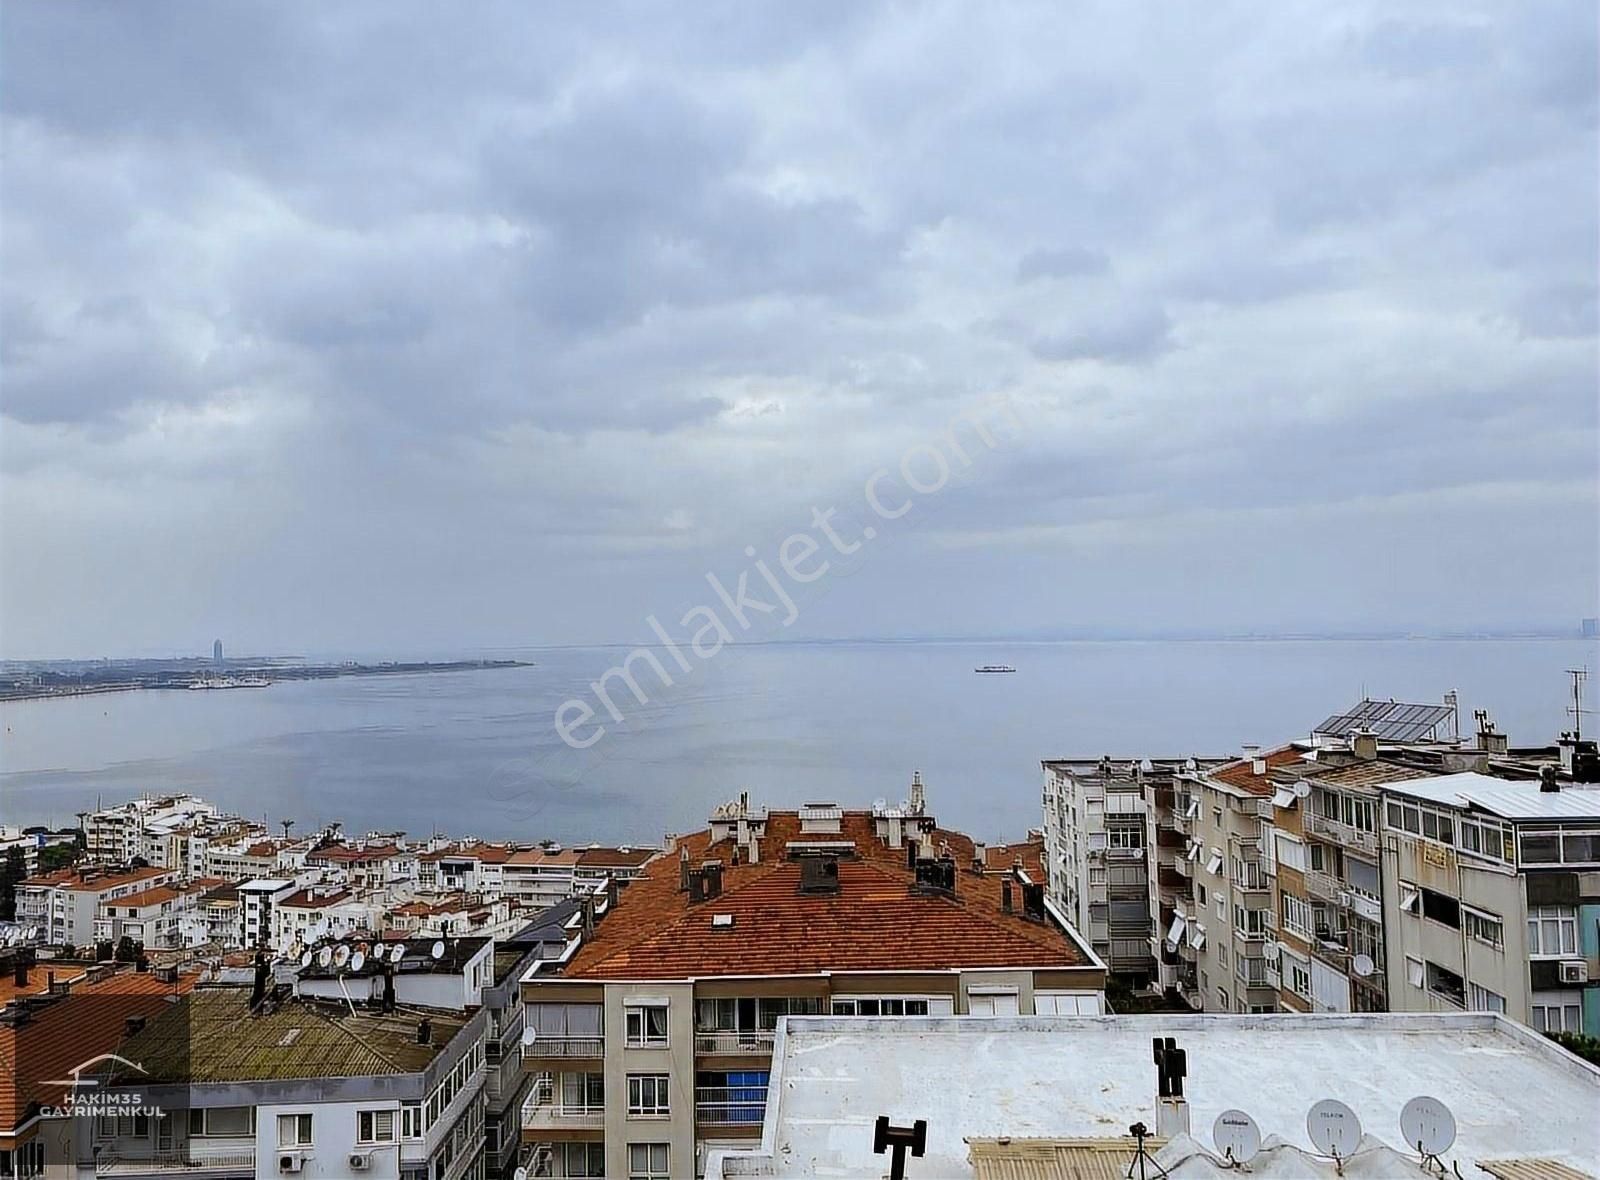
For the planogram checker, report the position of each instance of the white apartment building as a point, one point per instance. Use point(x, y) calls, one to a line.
point(1492, 899)
point(289, 1086)
point(319, 912)
point(66, 904)
point(541, 876)
point(258, 900)
point(162, 917)
point(1098, 835)
point(650, 1036)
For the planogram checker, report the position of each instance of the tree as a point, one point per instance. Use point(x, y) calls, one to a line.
point(58, 856)
point(127, 950)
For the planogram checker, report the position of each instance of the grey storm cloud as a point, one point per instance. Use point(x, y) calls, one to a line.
point(508, 322)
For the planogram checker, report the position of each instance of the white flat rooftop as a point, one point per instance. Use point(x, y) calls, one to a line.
point(1514, 1093)
point(1509, 800)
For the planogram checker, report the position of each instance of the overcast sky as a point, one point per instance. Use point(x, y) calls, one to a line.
point(385, 327)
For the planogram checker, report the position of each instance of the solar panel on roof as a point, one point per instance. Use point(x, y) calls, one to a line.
point(1395, 721)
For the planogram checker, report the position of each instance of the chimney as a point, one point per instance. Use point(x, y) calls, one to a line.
point(1252, 751)
point(1364, 744)
point(911, 855)
point(1549, 782)
point(425, 1031)
point(980, 856)
point(753, 851)
point(586, 905)
point(918, 801)
point(21, 977)
point(683, 869)
point(133, 1026)
point(258, 992)
point(1490, 741)
point(1172, 1110)
point(1005, 894)
point(388, 989)
point(711, 871)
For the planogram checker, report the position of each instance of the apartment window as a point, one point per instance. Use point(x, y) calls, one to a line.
point(1557, 1014)
point(1291, 852)
point(647, 1027)
point(582, 1159)
point(411, 1120)
point(1358, 814)
point(880, 1006)
point(1413, 971)
point(1222, 956)
point(1541, 848)
point(294, 1130)
point(222, 1122)
point(1222, 999)
point(1297, 976)
point(1485, 927)
point(1580, 848)
point(648, 1095)
point(374, 1126)
point(1200, 893)
point(1249, 922)
point(1297, 915)
point(1446, 984)
point(1097, 875)
point(1126, 837)
point(1552, 930)
point(648, 1161)
point(1442, 908)
point(1481, 999)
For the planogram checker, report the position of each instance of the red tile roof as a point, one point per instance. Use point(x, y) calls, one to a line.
point(93, 881)
point(70, 1031)
point(305, 901)
point(874, 923)
point(1242, 773)
point(344, 853)
point(538, 856)
point(998, 858)
point(627, 858)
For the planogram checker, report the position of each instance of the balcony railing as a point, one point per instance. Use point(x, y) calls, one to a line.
point(1341, 833)
point(1363, 906)
point(113, 1162)
point(730, 1105)
point(540, 1045)
point(1323, 885)
point(733, 1042)
point(544, 1109)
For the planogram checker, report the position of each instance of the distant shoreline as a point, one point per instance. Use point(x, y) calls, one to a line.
point(168, 675)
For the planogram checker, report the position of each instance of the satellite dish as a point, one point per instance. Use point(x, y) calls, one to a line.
point(397, 952)
point(437, 950)
point(1236, 1135)
point(357, 961)
point(520, 1174)
point(1363, 965)
point(880, 804)
point(325, 956)
point(1427, 1125)
point(1334, 1128)
point(342, 955)
point(1302, 789)
point(305, 958)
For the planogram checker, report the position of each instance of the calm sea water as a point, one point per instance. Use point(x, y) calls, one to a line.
point(475, 752)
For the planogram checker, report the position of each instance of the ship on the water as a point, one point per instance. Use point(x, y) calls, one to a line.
point(995, 668)
point(230, 682)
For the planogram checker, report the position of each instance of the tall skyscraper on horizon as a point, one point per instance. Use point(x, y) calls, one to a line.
point(216, 651)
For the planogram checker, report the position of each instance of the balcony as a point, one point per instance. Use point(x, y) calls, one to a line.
point(730, 1106)
point(1341, 833)
point(1324, 886)
point(1362, 906)
point(131, 1159)
point(731, 1043)
point(1169, 837)
point(535, 1044)
point(545, 1111)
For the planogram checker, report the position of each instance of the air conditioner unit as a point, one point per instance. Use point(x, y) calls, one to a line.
point(1574, 971)
point(359, 1162)
point(291, 1161)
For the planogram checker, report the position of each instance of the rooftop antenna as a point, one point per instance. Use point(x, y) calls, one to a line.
point(1429, 1128)
point(287, 824)
point(1579, 675)
point(1334, 1130)
point(1237, 1137)
point(896, 1140)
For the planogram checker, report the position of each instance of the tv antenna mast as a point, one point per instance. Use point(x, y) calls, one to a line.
point(287, 824)
point(1579, 675)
